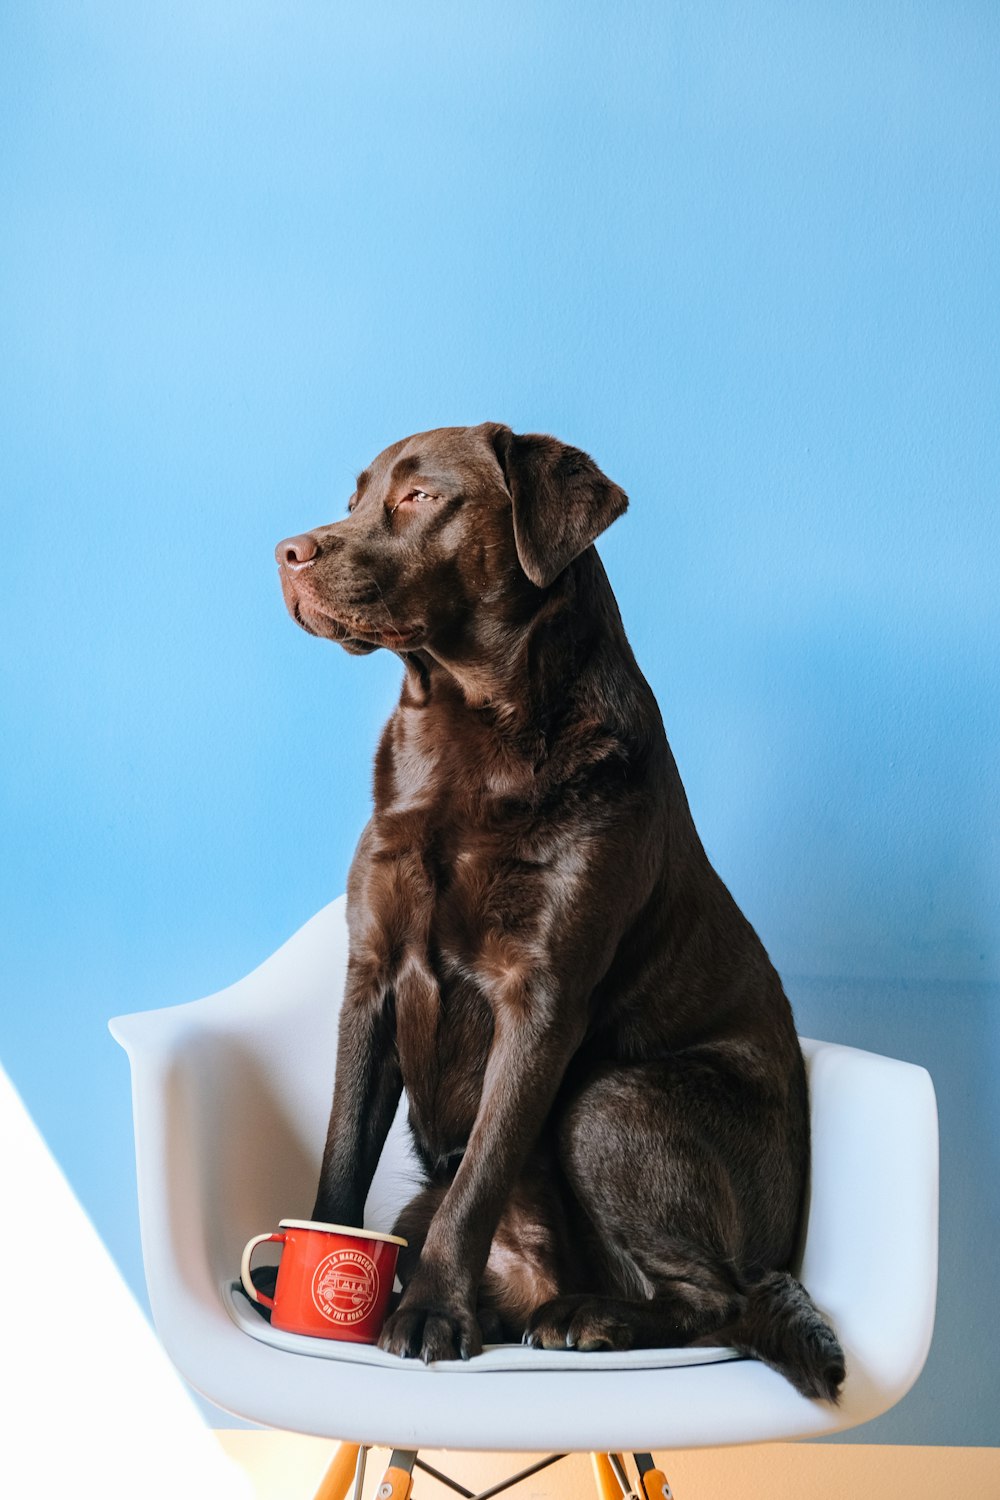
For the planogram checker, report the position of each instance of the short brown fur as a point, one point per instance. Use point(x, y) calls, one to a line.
point(605, 1088)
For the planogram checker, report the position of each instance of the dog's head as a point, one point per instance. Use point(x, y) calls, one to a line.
point(450, 536)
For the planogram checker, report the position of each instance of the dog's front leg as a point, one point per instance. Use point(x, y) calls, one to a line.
point(366, 1091)
point(436, 1318)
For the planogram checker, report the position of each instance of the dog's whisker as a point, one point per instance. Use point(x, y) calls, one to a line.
point(385, 603)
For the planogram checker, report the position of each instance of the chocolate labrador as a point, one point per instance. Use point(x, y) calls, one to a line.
point(605, 1087)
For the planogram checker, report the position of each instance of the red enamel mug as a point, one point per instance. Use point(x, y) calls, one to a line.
point(333, 1282)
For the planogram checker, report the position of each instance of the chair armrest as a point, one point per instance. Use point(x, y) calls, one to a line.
point(870, 1250)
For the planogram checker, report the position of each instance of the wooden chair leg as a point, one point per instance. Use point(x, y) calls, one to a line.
point(397, 1480)
point(652, 1481)
point(608, 1487)
point(341, 1474)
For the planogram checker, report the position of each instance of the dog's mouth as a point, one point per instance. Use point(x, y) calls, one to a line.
point(363, 641)
point(361, 637)
point(358, 636)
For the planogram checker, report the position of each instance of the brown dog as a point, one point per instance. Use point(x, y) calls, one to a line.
point(605, 1086)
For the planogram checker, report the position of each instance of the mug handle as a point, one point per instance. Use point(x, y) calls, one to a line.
point(245, 1277)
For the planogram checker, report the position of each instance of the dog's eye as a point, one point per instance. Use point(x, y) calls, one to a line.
point(412, 497)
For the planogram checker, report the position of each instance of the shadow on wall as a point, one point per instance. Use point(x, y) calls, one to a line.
point(256, 1188)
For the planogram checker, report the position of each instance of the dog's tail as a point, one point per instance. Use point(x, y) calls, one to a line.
point(782, 1326)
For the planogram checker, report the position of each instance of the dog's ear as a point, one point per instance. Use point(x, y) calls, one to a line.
point(561, 499)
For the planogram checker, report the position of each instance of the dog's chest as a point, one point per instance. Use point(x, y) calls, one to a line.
point(456, 837)
point(454, 890)
point(455, 916)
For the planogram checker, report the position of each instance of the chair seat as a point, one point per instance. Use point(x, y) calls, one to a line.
point(494, 1357)
point(231, 1096)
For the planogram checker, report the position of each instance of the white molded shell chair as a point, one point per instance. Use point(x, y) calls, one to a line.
point(231, 1099)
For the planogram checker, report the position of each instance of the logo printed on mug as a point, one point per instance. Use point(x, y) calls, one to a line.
point(345, 1286)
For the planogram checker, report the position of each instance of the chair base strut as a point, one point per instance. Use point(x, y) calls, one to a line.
point(610, 1476)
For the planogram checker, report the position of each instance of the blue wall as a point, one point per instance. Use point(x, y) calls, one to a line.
point(746, 255)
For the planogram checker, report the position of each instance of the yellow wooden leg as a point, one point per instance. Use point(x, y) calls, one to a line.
point(340, 1475)
point(655, 1486)
point(608, 1487)
point(653, 1482)
point(396, 1483)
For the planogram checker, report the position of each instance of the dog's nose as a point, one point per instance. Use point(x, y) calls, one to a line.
point(294, 551)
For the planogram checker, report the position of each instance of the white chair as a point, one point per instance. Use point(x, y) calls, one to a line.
point(231, 1096)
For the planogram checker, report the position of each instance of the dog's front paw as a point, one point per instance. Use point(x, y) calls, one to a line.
point(418, 1330)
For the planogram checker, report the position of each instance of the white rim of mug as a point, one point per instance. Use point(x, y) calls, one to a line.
point(358, 1234)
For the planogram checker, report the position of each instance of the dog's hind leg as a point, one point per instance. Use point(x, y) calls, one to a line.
point(672, 1163)
point(664, 1270)
point(691, 1178)
point(690, 1174)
